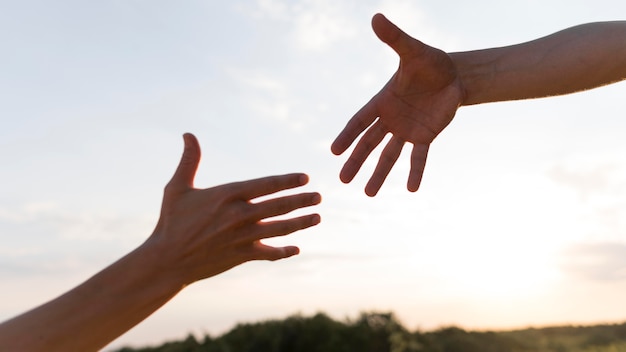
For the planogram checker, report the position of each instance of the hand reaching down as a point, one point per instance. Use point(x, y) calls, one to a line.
point(417, 103)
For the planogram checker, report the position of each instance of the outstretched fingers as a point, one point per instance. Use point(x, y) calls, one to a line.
point(259, 229)
point(283, 205)
point(388, 158)
point(418, 163)
point(368, 142)
point(249, 236)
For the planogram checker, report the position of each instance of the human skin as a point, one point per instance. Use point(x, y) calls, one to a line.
point(430, 85)
point(200, 233)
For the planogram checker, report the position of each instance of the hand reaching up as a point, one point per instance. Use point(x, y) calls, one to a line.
point(417, 103)
point(204, 232)
point(200, 233)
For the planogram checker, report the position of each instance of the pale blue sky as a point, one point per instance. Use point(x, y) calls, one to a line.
point(521, 219)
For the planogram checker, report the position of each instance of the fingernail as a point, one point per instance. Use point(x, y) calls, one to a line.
point(291, 251)
point(317, 198)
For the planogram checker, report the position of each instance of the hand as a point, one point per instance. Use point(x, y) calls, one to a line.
point(203, 232)
point(417, 103)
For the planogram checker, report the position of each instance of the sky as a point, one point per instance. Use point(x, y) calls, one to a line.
point(520, 219)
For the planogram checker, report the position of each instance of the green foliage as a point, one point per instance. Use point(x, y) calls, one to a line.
point(381, 332)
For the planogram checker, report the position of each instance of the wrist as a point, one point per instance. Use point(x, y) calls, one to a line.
point(474, 76)
point(159, 268)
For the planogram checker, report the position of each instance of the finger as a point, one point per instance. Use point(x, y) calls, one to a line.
point(188, 165)
point(278, 228)
point(393, 36)
point(388, 158)
point(357, 124)
point(283, 205)
point(363, 149)
point(261, 251)
point(418, 163)
point(267, 185)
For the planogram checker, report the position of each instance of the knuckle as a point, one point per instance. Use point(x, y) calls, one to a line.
point(288, 226)
point(239, 211)
point(283, 228)
point(367, 144)
point(169, 188)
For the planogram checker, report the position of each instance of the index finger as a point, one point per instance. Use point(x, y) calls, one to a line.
point(355, 126)
point(267, 185)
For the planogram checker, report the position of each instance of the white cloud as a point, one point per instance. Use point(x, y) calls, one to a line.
point(320, 26)
point(273, 9)
point(27, 212)
point(596, 262)
point(268, 97)
point(598, 182)
point(257, 79)
point(591, 176)
point(317, 24)
point(46, 237)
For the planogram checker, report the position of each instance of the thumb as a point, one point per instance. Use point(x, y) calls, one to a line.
point(186, 171)
point(393, 36)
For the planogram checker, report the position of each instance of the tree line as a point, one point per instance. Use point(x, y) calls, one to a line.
point(381, 332)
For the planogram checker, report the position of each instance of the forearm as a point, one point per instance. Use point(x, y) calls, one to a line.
point(200, 233)
point(96, 312)
point(575, 59)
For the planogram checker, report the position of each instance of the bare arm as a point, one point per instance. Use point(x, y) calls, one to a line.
point(94, 313)
point(200, 233)
point(423, 95)
point(574, 59)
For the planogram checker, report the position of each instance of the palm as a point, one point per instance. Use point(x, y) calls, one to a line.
point(417, 112)
point(417, 103)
